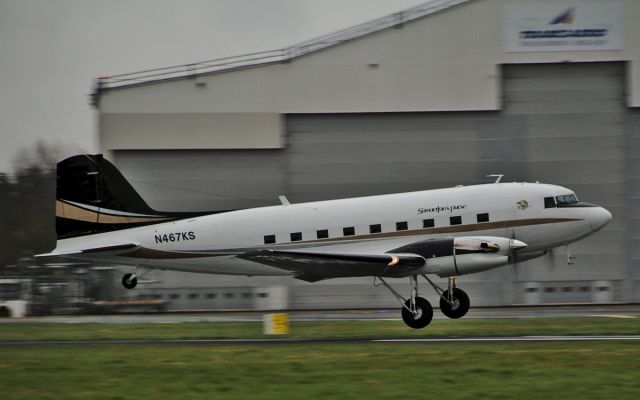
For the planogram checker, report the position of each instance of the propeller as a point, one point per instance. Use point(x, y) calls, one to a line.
point(551, 260)
point(514, 245)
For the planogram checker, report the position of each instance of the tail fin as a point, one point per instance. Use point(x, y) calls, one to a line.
point(93, 197)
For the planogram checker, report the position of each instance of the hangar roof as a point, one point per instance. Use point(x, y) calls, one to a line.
point(279, 55)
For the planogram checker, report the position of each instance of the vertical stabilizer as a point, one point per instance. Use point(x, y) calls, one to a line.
point(92, 196)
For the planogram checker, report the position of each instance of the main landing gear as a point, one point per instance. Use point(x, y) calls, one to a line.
point(417, 311)
point(454, 302)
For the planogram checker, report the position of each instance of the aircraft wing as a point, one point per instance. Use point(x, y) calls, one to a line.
point(114, 249)
point(312, 266)
point(396, 258)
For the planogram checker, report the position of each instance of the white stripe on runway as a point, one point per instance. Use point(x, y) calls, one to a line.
point(515, 339)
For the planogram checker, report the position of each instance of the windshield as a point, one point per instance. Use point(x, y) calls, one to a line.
point(566, 200)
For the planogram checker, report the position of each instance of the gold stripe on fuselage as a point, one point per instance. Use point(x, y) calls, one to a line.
point(70, 211)
point(167, 255)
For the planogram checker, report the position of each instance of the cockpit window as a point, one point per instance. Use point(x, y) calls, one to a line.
point(549, 202)
point(567, 200)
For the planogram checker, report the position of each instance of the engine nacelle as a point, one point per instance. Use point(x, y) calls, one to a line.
point(464, 264)
point(465, 255)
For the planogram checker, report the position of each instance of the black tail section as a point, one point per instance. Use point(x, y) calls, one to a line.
point(94, 197)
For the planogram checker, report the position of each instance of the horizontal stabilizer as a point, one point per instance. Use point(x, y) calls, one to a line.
point(111, 249)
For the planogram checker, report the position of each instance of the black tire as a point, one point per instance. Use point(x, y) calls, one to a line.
point(460, 305)
point(5, 312)
point(422, 318)
point(129, 284)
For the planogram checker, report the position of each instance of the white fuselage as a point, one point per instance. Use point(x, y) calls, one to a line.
point(209, 243)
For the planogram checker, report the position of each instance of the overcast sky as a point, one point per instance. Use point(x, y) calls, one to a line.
point(50, 51)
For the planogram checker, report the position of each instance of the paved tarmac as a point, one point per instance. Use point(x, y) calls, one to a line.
point(613, 311)
point(432, 340)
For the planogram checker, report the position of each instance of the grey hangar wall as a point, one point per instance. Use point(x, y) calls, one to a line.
point(563, 123)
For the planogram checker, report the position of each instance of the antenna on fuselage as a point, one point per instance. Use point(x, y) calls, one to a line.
point(497, 176)
point(284, 201)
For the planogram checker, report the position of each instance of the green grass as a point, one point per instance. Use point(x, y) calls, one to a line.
point(594, 370)
point(567, 370)
point(323, 329)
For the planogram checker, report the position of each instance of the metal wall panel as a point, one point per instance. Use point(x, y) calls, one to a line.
point(364, 154)
point(173, 131)
point(632, 126)
point(205, 180)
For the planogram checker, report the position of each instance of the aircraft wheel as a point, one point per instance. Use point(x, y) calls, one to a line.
point(128, 282)
point(423, 315)
point(460, 304)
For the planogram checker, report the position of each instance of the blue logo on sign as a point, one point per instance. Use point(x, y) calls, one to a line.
point(565, 18)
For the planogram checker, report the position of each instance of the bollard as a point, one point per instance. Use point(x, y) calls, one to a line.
point(276, 324)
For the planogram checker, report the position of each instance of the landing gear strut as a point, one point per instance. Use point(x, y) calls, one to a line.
point(454, 302)
point(417, 311)
point(421, 315)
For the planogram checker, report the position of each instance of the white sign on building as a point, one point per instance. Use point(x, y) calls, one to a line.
point(563, 26)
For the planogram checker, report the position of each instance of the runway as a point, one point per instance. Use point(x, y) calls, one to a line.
point(430, 340)
point(613, 311)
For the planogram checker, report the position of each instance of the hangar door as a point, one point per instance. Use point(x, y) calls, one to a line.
point(568, 122)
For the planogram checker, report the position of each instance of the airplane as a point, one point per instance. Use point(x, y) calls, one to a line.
point(449, 232)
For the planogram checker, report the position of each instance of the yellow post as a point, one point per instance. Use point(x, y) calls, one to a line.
point(276, 324)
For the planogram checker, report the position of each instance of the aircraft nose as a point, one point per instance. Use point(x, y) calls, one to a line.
point(599, 218)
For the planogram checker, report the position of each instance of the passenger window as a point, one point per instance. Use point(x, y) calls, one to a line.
point(375, 228)
point(296, 236)
point(349, 231)
point(402, 226)
point(269, 239)
point(549, 202)
point(322, 234)
point(483, 217)
point(428, 223)
point(457, 220)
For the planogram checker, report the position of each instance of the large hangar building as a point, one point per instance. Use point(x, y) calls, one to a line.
point(438, 95)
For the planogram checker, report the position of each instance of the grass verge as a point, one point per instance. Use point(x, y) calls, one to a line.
point(324, 329)
point(594, 370)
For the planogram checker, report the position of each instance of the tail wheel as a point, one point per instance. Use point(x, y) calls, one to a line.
point(422, 316)
point(129, 281)
point(458, 307)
